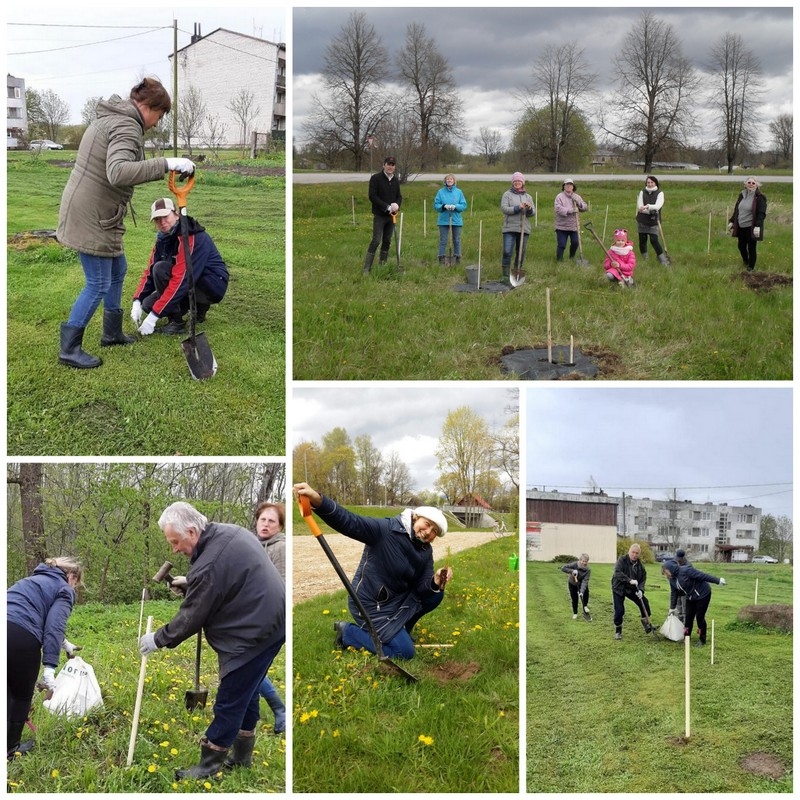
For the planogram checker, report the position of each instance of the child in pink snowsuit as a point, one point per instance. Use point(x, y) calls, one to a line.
point(620, 259)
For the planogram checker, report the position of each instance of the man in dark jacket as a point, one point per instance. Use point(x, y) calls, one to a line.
point(236, 596)
point(163, 289)
point(578, 583)
point(386, 199)
point(693, 585)
point(395, 580)
point(628, 581)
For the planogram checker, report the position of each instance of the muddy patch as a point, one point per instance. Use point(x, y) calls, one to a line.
point(763, 281)
point(453, 671)
point(772, 615)
point(764, 764)
point(678, 741)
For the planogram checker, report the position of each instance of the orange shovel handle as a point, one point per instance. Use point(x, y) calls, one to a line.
point(308, 517)
point(180, 192)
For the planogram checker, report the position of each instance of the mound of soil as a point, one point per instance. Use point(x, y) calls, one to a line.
point(765, 764)
point(763, 281)
point(453, 671)
point(776, 616)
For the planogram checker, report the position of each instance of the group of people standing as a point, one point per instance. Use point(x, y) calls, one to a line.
point(517, 206)
point(690, 594)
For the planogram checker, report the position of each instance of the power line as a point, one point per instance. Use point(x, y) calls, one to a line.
point(87, 44)
point(676, 488)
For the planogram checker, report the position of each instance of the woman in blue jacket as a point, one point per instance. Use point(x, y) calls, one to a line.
point(395, 579)
point(37, 610)
point(450, 202)
point(688, 581)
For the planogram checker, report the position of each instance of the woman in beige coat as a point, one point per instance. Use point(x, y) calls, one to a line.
point(110, 162)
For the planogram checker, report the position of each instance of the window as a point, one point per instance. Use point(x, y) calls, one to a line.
point(706, 515)
point(744, 533)
point(703, 548)
point(695, 515)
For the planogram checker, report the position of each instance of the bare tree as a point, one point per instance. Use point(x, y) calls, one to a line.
point(782, 130)
point(397, 479)
point(89, 110)
point(241, 106)
point(490, 144)
point(656, 88)
point(213, 134)
point(561, 76)
point(735, 87)
point(399, 134)
point(191, 115)
point(355, 100)
point(29, 479)
point(53, 112)
point(429, 77)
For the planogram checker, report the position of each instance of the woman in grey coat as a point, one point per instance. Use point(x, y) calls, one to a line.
point(110, 162)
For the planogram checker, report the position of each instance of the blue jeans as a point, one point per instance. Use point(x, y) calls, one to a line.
point(561, 243)
point(443, 231)
point(104, 279)
point(236, 706)
point(511, 243)
point(400, 645)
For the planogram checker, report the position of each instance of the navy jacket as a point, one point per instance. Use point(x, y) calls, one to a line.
point(691, 582)
point(41, 604)
point(395, 572)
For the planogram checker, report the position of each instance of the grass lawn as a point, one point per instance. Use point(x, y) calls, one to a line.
point(89, 754)
point(694, 320)
point(359, 729)
point(143, 400)
point(609, 716)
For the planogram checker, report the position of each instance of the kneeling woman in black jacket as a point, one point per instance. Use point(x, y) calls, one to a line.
point(395, 579)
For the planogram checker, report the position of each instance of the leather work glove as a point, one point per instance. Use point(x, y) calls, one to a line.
point(183, 165)
point(149, 325)
point(147, 644)
point(178, 586)
point(49, 678)
point(69, 648)
point(136, 312)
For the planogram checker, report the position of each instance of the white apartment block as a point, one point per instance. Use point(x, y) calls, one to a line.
point(16, 113)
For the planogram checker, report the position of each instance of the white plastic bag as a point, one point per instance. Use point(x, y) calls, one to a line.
point(77, 690)
point(673, 628)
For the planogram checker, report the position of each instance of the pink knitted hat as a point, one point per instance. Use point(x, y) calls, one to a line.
point(517, 176)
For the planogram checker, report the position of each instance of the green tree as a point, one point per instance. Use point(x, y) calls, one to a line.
point(776, 538)
point(534, 144)
point(338, 463)
point(369, 465)
point(464, 452)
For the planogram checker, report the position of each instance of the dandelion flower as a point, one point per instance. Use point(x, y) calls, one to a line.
point(206, 785)
point(426, 740)
point(173, 752)
point(55, 773)
point(326, 612)
point(152, 768)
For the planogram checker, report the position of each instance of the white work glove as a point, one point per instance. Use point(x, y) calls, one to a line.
point(136, 312)
point(69, 648)
point(149, 324)
point(147, 644)
point(178, 586)
point(394, 208)
point(450, 207)
point(722, 581)
point(183, 165)
point(49, 678)
point(633, 582)
point(671, 612)
point(730, 227)
point(756, 232)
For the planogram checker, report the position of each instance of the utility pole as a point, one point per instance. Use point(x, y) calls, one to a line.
point(174, 87)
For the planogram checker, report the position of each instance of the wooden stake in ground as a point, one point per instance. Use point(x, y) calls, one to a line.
point(549, 335)
point(687, 660)
point(755, 599)
point(425, 219)
point(709, 233)
point(353, 206)
point(712, 641)
point(480, 240)
point(605, 222)
point(471, 205)
point(138, 706)
point(571, 342)
point(536, 215)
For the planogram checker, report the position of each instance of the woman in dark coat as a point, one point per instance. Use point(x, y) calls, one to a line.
point(688, 581)
point(395, 580)
point(747, 221)
point(37, 610)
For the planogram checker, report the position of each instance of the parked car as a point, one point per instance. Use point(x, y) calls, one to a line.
point(664, 556)
point(44, 144)
point(764, 560)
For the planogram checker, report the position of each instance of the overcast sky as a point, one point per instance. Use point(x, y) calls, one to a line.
point(648, 442)
point(89, 52)
point(406, 420)
point(492, 50)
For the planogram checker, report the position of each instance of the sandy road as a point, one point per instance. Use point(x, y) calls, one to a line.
point(313, 574)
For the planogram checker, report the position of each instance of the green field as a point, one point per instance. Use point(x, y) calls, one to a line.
point(695, 320)
point(358, 728)
point(609, 716)
point(143, 400)
point(89, 754)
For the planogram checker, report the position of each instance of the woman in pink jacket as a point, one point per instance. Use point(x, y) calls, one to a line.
point(568, 204)
point(620, 260)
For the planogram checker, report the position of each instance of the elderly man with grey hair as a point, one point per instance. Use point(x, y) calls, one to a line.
point(236, 596)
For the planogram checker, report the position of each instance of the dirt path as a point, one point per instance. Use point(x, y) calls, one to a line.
point(313, 574)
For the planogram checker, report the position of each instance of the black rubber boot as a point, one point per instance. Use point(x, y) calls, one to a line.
point(368, 259)
point(176, 326)
point(202, 311)
point(112, 330)
point(646, 625)
point(278, 709)
point(384, 257)
point(72, 354)
point(211, 762)
point(338, 639)
point(618, 632)
point(241, 754)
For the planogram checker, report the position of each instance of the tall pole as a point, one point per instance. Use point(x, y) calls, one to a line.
point(174, 87)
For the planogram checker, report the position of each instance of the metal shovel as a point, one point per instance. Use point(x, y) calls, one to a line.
point(396, 240)
point(517, 276)
point(305, 510)
point(196, 348)
point(197, 697)
point(580, 259)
